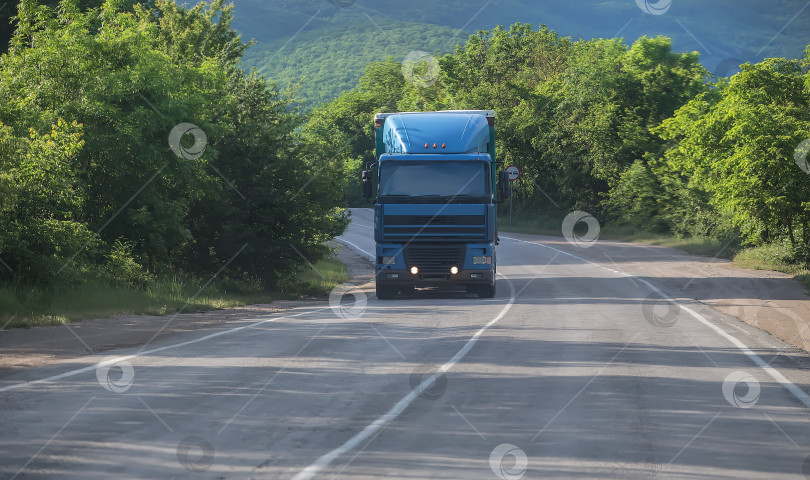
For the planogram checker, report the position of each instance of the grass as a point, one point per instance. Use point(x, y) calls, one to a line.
point(778, 257)
point(700, 246)
point(774, 257)
point(326, 275)
point(30, 307)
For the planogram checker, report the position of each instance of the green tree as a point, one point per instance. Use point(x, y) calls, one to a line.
point(343, 131)
point(123, 77)
point(573, 114)
point(741, 148)
point(39, 230)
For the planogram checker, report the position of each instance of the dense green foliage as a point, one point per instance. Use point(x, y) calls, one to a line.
point(345, 127)
point(91, 187)
point(739, 142)
point(635, 135)
point(8, 10)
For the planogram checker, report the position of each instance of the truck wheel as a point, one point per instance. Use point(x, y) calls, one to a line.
point(486, 291)
point(386, 293)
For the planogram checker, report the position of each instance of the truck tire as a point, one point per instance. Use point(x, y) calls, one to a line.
point(486, 291)
point(386, 293)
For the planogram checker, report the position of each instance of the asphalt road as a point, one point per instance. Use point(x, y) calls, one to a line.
point(574, 370)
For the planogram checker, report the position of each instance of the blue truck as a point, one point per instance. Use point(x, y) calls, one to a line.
point(435, 193)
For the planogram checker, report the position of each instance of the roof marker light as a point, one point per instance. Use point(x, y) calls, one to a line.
point(434, 145)
point(426, 145)
point(444, 145)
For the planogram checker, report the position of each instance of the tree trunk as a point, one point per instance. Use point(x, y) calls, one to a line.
point(790, 233)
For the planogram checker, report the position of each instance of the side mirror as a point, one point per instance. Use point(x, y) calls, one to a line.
point(367, 187)
point(503, 185)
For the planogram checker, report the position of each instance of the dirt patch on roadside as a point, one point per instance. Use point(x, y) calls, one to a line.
point(22, 348)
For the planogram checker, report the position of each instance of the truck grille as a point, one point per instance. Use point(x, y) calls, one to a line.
point(434, 259)
point(438, 226)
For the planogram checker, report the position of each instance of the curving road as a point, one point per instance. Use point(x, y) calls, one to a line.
point(576, 370)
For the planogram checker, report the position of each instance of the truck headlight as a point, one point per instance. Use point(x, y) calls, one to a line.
point(389, 260)
point(454, 270)
point(482, 260)
point(414, 270)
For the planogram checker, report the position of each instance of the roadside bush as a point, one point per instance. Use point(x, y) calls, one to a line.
point(121, 269)
point(638, 199)
point(777, 255)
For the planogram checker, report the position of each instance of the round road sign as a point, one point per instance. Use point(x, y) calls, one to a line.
point(513, 172)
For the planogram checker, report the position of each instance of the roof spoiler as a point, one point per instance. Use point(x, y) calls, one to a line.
point(379, 118)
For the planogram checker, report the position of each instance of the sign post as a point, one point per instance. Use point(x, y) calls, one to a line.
point(514, 173)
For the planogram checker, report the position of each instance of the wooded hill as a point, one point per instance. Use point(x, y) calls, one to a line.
point(334, 43)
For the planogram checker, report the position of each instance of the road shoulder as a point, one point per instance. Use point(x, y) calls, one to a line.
point(25, 348)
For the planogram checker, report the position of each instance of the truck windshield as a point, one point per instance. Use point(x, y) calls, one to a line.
point(437, 180)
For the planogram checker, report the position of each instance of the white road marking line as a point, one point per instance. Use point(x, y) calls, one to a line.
point(797, 392)
point(367, 254)
point(374, 427)
point(147, 352)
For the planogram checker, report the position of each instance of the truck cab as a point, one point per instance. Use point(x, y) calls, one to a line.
point(434, 209)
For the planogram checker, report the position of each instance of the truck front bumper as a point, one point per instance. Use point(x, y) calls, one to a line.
point(404, 278)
